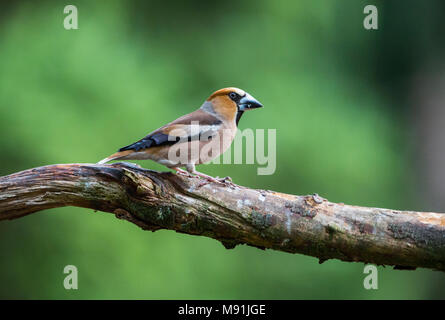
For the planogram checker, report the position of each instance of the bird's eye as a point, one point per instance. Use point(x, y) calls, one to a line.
point(233, 95)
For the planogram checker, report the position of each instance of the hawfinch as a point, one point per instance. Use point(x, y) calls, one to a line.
point(195, 138)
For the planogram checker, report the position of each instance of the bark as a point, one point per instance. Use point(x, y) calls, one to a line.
point(232, 214)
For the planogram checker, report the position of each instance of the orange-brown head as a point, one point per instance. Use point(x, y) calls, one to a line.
point(230, 103)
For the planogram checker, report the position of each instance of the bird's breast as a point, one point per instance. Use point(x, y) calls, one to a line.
point(196, 151)
point(217, 145)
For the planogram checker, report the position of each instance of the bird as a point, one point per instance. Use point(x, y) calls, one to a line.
point(195, 138)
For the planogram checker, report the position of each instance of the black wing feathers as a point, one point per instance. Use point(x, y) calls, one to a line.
point(158, 138)
point(155, 140)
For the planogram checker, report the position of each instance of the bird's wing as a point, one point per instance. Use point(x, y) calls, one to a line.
point(192, 126)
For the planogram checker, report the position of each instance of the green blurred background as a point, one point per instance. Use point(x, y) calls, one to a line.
point(359, 117)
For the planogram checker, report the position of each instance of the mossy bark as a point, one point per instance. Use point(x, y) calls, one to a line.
point(232, 214)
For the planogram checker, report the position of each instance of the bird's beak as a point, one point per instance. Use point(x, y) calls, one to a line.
point(248, 102)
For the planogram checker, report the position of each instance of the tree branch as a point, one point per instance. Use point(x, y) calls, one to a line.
point(232, 214)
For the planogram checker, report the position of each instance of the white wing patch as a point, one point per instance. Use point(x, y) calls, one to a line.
point(194, 131)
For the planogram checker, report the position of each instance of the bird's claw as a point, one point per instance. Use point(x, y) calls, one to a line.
point(206, 180)
point(226, 180)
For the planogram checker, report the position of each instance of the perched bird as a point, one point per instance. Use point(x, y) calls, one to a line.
point(195, 138)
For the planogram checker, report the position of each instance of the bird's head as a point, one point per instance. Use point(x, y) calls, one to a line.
point(230, 103)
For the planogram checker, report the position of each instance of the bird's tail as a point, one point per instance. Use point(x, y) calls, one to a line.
point(116, 156)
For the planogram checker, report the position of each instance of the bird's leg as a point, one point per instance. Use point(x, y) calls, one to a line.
point(179, 171)
point(191, 168)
